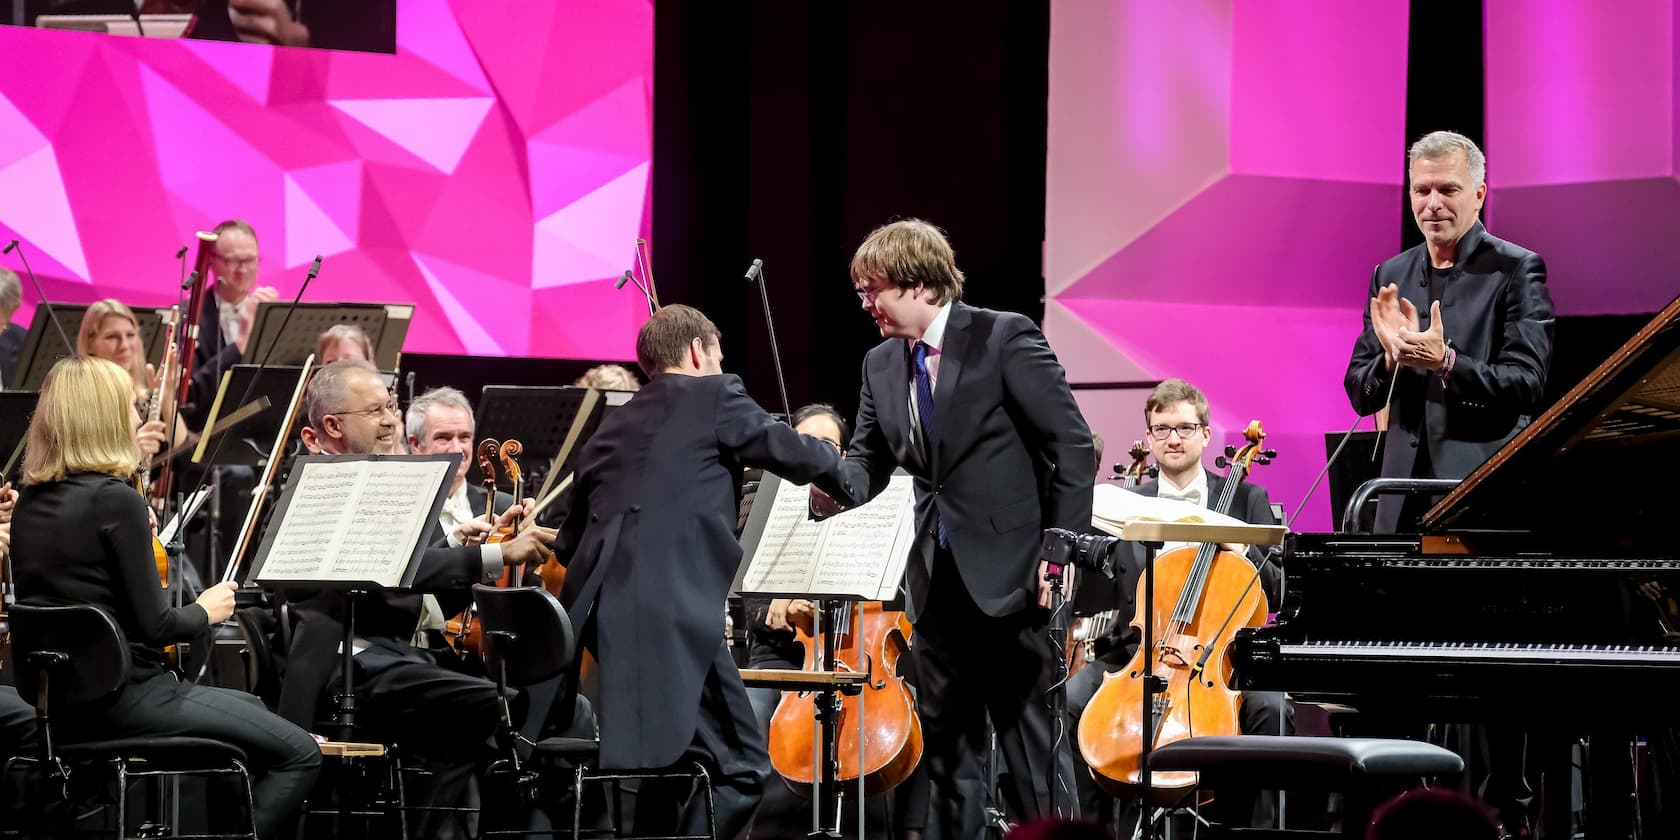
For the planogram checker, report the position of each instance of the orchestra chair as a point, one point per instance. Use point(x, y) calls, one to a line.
point(528, 639)
point(77, 654)
point(1365, 771)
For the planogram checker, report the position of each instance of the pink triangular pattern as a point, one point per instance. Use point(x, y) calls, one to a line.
point(18, 136)
point(335, 188)
point(247, 69)
point(474, 337)
point(237, 180)
point(438, 131)
point(33, 203)
point(309, 230)
point(616, 122)
point(597, 229)
point(426, 30)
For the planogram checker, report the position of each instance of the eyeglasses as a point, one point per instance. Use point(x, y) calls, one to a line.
point(868, 295)
point(1184, 431)
point(390, 407)
point(239, 264)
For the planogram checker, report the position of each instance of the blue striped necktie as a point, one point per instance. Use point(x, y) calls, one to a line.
point(930, 423)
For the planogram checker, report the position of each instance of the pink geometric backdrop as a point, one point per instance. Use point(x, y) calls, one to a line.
point(494, 172)
point(1583, 134)
point(1222, 178)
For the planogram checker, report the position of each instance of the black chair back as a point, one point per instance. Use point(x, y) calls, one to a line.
point(80, 647)
point(526, 631)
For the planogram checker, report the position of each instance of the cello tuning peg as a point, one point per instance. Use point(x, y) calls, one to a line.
point(1270, 454)
point(1230, 452)
point(1221, 462)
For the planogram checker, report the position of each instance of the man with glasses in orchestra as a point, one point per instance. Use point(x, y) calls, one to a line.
point(974, 404)
point(407, 696)
point(228, 312)
point(1176, 416)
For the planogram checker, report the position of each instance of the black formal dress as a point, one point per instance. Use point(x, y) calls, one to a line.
point(86, 540)
point(1261, 713)
point(1007, 456)
point(649, 538)
point(1497, 317)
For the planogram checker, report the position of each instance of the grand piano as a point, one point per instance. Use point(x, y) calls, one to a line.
point(1543, 589)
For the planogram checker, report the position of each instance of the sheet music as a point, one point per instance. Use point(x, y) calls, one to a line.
point(354, 520)
point(860, 552)
point(1112, 507)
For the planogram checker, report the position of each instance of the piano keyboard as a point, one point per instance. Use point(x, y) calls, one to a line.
point(1501, 651)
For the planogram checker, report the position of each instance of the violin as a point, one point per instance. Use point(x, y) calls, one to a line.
point(1196, 588)
point(463, 632)
point(1086, 630)
point(869, 639)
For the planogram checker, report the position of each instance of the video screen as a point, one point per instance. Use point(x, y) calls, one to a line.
point(359, 25)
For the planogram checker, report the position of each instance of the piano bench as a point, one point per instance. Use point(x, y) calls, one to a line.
point(1366, 771)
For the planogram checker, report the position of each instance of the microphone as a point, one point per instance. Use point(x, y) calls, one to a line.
point(314, 271)
point(755, 274)
point(628, 277)
point(181, 253)
point(69, 346)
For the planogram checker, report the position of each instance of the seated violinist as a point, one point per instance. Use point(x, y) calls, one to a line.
point(79, 535)
point(1176, 416)
point(415, 698)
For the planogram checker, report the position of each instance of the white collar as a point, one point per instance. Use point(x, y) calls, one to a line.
point(1199, 484)
point(934, 335)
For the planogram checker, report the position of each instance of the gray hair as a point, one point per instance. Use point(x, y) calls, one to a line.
point(11, 294)
point(415, 421)
point(1439, 144)
point(329, 389)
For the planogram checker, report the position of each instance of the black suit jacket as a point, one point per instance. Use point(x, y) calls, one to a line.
point(1013, 454)
point(11, 346)
point(436, 538)
point(386, 620)
point(1252, 505)
point(649, 539)
point(1498, 319)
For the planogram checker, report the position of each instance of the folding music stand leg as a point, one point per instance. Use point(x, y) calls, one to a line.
point(825, 795)
point(1151, 684)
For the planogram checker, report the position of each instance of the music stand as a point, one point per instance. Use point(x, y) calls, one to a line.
point(539, 417)
point(43, 347)
point(277, 383)
point(784, 557)
point(319, 515)
point(386, 325)
point(15, 410)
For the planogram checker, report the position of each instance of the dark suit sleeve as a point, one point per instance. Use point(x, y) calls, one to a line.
point(570, 530)
point(1258, 511)
point(127, 536)
point(446, 569)
point(1515, 377)
point(759, 440)
point(869, 461)
point(1036, 388)
point(1367, 377)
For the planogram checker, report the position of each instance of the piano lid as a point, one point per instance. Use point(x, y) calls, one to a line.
point(1600, 466)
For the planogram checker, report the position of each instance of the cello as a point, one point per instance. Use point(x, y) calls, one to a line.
point(1086, 630)
point(1196, 588)
point(871, 639)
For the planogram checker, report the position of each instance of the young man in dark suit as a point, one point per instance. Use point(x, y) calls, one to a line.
point(649, 541)
point(976, 407)
point(1176, 417)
